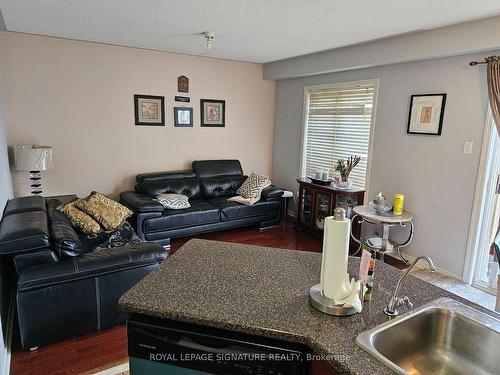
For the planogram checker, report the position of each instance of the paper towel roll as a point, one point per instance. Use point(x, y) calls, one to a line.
point(335, 255)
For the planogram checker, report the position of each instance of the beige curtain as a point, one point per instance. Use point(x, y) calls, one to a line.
point(494, 88)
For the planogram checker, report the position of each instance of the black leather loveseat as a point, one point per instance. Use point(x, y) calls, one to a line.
point(208, 185)
point(64, 288)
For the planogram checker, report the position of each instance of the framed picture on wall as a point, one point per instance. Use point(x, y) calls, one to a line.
point(183, 84)
point(426, 114)
point(213, 113)
point(149, 110)
point(183, 117)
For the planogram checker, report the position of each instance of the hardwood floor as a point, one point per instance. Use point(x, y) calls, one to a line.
point(76, 356)
point(104, 349)
point(284, 236)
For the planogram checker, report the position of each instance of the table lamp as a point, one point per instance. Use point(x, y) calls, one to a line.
point(33, 159)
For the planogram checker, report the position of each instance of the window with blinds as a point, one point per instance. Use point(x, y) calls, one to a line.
point(338, 124)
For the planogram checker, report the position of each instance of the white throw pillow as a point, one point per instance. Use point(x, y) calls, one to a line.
point(249, 201)
point(240, 199)
point(253, 185)
point(173, 201)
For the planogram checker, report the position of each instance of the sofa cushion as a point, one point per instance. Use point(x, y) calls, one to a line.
point(234, 211)
point(32, 259)
point(63, 236)
point(164, 176)
point(199, 213)
point(173, 201)
point(24, 204)
point(92, 264)
point(220, 186)
point(139, 202)
point(253, 185)
point(80, 219)
point(24, 231)
point(211, 168)
point(189, 187)
point(105, 211)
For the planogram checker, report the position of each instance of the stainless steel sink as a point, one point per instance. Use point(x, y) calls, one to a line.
point(441, 337)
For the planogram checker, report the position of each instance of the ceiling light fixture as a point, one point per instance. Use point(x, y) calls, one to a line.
point(209, 36)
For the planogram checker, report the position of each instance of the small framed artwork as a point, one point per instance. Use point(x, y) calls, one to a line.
point(183, 84)
point(426, 114)
point(149, 110)
point(183, 117)
point(213, 113)
point(183, 99)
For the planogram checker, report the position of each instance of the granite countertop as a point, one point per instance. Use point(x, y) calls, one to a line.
point(264, 291)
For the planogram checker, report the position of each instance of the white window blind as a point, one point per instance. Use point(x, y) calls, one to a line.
point(338, 125)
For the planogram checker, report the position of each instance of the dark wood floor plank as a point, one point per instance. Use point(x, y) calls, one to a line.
point(97, 350)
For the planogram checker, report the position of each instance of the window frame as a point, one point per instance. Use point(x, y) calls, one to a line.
point(305, 112)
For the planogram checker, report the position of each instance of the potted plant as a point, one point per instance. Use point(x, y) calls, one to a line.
point(344, 167)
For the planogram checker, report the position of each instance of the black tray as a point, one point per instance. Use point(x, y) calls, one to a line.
point(320, 181)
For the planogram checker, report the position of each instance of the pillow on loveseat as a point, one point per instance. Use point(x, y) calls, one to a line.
point(80, 219)
point(253, 185)
point(105, 211)
point(173, 201)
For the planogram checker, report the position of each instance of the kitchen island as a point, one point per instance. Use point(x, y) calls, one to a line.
point(264, 292)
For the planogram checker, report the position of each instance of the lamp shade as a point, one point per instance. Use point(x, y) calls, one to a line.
point(32, 158)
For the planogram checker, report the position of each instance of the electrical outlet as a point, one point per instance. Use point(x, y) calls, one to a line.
point(468, 147)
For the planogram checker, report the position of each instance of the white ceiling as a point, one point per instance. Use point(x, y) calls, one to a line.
point(247, 30)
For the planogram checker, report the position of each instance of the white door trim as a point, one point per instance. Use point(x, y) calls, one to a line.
point(476, 229)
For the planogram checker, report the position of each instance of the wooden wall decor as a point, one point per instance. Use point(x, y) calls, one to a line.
point(183, 84)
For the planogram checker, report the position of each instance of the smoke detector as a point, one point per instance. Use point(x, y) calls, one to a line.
point(209, 36)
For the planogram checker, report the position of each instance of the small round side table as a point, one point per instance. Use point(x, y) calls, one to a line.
point(387, 221)
point(286, 195)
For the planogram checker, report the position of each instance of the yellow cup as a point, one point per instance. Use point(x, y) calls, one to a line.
point(398, 204)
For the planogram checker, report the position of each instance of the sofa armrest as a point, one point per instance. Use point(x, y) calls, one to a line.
point(271, 192)
point(34, 259)
point(93, 264)
point(139, 202)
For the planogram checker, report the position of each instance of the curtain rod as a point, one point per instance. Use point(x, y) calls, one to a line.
point(474, 63)
point(486, 60)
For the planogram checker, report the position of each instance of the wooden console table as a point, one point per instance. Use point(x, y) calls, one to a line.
point(318, 201)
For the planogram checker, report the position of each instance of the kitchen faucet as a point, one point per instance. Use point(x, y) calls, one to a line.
point(396, 301)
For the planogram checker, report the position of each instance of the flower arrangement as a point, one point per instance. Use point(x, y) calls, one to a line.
point(344, 167)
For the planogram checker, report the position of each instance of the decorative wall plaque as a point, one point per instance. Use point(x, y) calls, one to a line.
point(183, 84)
point(184, 99)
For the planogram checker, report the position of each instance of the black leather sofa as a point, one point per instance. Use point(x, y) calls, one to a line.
point(63, 288)
point(208, 185)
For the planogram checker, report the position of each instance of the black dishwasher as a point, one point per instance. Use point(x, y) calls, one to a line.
point(157, 346)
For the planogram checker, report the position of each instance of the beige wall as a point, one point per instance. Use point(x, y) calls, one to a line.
point(78, 98)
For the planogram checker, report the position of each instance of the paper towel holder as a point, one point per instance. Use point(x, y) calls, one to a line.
point(321, 302)
point(327, 305)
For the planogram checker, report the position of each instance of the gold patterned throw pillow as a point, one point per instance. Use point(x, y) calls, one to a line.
point(80, 219)
point(105, 211)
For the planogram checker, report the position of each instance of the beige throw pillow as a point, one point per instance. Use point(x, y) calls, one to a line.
point(253, 185)
point(105, 211)
point(80, 219)
point(249, 201)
